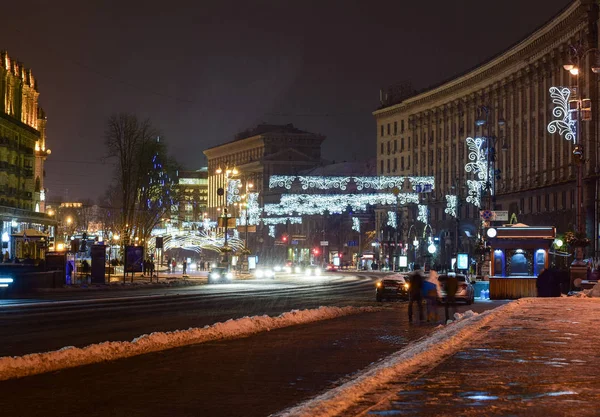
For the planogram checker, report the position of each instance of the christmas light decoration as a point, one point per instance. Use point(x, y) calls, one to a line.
point(254, 211)
point(198, 242)
point(324, 183)
point(423, 213)
point(451, 205)
point(272, 231)
point(281, 181)
point(422, 183)
point(565, 124)
point(392, 221)
point(233, 191)
point(378, 183)
point(312, 204)
point(281, 220)
point(477, 156)
point(474, 193)
point(356, 224)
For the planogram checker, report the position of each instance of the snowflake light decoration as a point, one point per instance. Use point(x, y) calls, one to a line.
point(356, 224)
point(392, 221)
point(423, 213)
point(451, 205)
point(281, 220)
point(272, 230)
point(422, 183)
point(254, 211)
point(563, 124)
point(378, 183)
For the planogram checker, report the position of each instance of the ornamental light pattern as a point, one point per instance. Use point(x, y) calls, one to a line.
point(451, 205)
point(477, 156)
point(233, 191)
point(313, 204)
point(356, 224)
point(563, 124)
point(423, 214)
point(281, 220)
point(324, 183)
point(474, 192)
point(281, 181)
point(391, 219)
point(422, 183)
point(378, 183)
point(254, 211)
point(272, 230)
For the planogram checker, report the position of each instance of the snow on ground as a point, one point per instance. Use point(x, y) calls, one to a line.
point(444, 341)
point(70, 356)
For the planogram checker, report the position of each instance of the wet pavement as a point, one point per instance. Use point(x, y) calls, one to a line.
point(540, 360)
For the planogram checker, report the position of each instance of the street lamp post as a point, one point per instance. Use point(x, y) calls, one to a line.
point(226, 175)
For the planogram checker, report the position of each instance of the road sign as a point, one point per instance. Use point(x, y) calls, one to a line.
point(486, 214)
point(294, 242)
point(423, 188)
point(500, 216)
point(324, 243)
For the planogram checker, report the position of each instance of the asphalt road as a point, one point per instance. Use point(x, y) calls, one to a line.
point(253, 376)
point(55, 320)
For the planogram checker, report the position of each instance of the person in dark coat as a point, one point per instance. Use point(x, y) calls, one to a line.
point(414, 292)
point(544, 283)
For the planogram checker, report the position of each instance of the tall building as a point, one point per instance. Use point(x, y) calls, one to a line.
point(506, 100)
point(22, 150)
point(193, 196)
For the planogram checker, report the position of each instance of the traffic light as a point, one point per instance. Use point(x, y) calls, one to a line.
point(316, 251)
point(284, 238)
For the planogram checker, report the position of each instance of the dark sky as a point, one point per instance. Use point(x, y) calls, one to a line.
point(203, 71)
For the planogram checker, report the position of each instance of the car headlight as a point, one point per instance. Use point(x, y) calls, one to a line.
point(259, 273)
point(229, 275)
point(214, 275)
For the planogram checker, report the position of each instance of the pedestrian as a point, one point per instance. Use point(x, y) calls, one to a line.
point(451, 289)
point(174, 265)
point(430, 293)
point(414, 292)
point(184, 267)
point(151, 268)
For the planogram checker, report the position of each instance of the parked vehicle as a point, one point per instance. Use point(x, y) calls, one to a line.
point(392, 287)
point(465, 291)
point(331, 268)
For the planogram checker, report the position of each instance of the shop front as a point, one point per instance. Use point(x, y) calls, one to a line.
point(518, 254)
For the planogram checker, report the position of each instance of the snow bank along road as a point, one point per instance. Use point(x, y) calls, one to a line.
point(52, 325)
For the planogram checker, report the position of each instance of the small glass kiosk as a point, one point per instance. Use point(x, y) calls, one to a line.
point(518, 254)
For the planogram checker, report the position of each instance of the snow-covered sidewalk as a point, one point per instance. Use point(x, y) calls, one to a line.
point(533, 357)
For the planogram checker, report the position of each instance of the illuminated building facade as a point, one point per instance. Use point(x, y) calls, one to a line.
point(22, 149)
point(425, 133)
point(193, 193)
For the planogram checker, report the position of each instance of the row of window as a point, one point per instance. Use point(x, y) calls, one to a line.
point(392, 165)
point(392, 147)
point(389, 128)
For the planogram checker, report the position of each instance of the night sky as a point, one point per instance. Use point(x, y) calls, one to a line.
point(203, 71)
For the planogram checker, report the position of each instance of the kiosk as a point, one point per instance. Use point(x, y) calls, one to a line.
point(518, 254)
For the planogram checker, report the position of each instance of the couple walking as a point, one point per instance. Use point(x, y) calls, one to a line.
point(429, 288)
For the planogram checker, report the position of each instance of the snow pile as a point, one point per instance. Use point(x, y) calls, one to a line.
point(594, 291)
point(68, 357)
point(429, 350)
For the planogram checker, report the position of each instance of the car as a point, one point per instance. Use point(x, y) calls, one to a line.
point(264, 272)
point(219, 275)
point(465, 291)
point(392, 287)
point(331, 268)
point(312, 270)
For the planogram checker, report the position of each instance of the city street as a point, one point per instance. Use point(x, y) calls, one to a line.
point(79, 318)
point(252, 376)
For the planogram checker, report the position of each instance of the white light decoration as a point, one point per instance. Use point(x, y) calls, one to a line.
point(281, 181)
point(233, 191)
point(5, 237)
point(564, 124)
point(356, 224)
point(197, 242)
point(378, 183)
point(392, 221)
point(431, 248)
point(254, 211)
point(281, 220)
point(272, 231)
point(451, 205)
point(312, 204)
point(474, 193)
point(423, 214)
point(478, 164)
point(422, 182)
point(324, 183)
